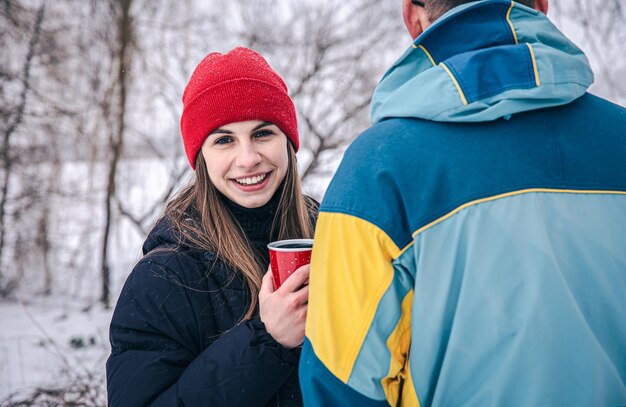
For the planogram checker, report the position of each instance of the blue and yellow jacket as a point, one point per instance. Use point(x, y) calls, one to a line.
point(471, 249)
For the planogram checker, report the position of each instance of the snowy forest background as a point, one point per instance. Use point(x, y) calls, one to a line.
point(90, 100)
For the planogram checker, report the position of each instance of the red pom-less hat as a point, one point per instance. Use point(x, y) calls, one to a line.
point(234, 87)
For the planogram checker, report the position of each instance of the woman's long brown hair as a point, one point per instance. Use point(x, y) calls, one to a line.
point(218, 232)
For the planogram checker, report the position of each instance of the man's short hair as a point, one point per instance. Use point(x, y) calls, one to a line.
point(436, 8)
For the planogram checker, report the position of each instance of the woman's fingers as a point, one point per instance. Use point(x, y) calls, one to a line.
point(302, 295)
point(284, 311)
point(296, 279)
point(267, 284)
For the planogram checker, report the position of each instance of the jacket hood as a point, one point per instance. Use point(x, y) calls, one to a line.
point(480, 62)
point(162, 234)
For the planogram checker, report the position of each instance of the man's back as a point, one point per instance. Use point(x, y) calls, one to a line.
point(476, 262)
point(513, 239)
point(511, 248)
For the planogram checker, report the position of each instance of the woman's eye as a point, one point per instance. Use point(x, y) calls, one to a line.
point(223, 140)
point(263, 133)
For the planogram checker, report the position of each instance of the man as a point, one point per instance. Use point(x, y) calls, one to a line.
point(471, 249)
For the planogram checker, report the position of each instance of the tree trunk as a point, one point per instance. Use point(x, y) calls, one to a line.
point(116, 139)
point(13, 125)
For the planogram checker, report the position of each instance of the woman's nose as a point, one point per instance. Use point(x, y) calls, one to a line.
point(248, 156)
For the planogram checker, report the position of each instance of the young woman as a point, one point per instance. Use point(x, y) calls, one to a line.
point(198, 322)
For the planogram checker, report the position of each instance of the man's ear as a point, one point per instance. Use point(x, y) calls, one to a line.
point(413, 19)
point(542, 5)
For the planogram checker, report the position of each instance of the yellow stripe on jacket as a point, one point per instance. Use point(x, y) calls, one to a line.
point(345, 252)
point(399, 344)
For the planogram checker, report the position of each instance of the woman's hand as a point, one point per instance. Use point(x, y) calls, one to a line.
point(284, 311)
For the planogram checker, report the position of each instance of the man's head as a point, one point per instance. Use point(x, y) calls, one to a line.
point(418, 15)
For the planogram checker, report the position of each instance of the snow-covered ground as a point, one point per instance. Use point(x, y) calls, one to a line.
point(61, 340)
point(50, 342)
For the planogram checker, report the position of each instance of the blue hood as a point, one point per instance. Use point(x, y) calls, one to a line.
point(480, 62)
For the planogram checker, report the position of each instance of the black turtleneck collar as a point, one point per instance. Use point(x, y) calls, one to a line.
point(256, 222)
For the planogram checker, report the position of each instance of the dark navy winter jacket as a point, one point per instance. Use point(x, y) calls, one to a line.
point(177, 339)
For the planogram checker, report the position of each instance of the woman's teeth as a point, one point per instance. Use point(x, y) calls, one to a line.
point(251, 180)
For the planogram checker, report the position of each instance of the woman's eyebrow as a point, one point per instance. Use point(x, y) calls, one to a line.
point(262, 125)
point(220, 130)
point(224, 131)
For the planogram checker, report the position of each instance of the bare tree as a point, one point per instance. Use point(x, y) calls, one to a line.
point(122, 55)
point(14, 118)
point(167, 36)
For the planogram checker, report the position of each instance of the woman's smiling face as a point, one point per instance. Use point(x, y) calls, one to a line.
point(247, 161)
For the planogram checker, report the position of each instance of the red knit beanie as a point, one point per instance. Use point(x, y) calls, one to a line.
point(234, 87)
